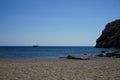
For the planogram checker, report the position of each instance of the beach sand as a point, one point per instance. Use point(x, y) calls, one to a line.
point(60, 69)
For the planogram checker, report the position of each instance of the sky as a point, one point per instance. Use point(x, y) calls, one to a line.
point(55, 22)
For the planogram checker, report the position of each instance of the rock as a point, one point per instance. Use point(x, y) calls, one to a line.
point(113, 55)
point(78, 58)
point(100, 55)
point(103, 51)
point(70, 57)
point(110, 37)
point(110, 54)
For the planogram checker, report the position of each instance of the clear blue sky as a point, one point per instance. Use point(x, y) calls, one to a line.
point(55, 22)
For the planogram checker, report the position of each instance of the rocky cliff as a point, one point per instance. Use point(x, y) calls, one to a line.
point(110, 37)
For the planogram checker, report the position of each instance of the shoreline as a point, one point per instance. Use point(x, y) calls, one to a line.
point(60, 69)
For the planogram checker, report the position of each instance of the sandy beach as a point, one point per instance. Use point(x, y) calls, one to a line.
point(60, 69)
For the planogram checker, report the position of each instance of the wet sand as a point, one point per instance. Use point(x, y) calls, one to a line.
point(60, 69)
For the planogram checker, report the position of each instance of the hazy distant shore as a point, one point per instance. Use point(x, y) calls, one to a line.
point(60, 69)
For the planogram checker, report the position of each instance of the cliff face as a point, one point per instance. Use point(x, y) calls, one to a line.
point(110, 37)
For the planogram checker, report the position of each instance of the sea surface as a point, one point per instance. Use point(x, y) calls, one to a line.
point(29, 52)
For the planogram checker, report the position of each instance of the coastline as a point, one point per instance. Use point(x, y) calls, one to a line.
point(60, 69)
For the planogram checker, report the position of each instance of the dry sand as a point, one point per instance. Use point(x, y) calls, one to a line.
point(60, 69)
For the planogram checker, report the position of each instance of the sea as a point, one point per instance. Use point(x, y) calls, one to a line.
point(41, 52)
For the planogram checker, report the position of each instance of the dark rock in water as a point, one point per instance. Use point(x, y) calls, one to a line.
point(113, 55)
point(100, 55)
point(110, 37)
point(103, 51)
point(70, 57)
point(110, 54)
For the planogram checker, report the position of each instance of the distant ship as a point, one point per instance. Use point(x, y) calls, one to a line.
point(36, 45)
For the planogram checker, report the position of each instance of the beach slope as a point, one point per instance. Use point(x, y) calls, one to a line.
point(60, 69)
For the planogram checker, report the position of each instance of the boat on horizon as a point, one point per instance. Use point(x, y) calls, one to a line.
point(36, 45)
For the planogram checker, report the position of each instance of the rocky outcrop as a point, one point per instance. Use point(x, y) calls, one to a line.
point(110, 37)
point(109, 54)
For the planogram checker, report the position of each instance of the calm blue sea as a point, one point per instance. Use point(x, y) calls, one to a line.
point(28, 52)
